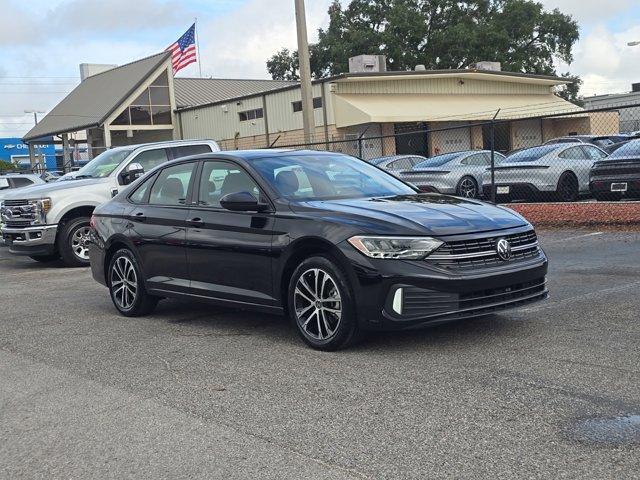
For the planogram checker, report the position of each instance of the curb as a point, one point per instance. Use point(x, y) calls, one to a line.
point(585, 214)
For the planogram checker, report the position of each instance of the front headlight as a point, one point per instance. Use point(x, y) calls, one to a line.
point(41, 208)
point(405, 248)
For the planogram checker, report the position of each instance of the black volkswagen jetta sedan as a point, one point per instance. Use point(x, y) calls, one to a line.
point(338, 245)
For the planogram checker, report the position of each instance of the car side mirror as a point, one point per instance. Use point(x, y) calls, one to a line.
point(133, 171)
point(242, 202)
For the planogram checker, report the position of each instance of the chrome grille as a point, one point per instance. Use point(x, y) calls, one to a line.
point(481, 252)
point(15, 203)
point(18, 213)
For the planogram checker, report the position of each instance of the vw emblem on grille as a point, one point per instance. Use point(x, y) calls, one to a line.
point(503, 248)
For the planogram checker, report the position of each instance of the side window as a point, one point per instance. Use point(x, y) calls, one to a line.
point(172, 185)
point(401, 164)
point(151, 158)
point(476, 159)
point(140, 194)
point(416, 160)
point(21, 182)
point(187, 150)
point(593, 153)
point(573, 153)
point(222, 178)
point(4, 184)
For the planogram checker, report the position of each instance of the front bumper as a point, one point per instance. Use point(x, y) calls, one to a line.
point(38, 240)
point(433, 295)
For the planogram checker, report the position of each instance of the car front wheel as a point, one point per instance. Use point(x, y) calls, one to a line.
point(126, 286)
point(321, 304)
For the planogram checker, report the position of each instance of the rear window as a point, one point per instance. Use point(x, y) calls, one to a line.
point(531, 154)
point(437, 161)
point(628, 149)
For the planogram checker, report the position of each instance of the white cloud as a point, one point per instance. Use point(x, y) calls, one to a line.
point(239, 44)
point(605, 62)
point(587, 11)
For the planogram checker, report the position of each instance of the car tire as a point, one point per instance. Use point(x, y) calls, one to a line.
point(45, 258)
point(325, 316)
point(568, 189)
point(73, 242)
point(126, 286)
point(467, 187)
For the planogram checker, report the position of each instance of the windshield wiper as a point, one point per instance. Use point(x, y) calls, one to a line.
point(80, 177)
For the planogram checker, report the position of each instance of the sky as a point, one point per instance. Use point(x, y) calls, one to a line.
point(42, 42)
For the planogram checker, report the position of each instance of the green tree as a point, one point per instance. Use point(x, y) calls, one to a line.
point(439, 34)
point(571, 91)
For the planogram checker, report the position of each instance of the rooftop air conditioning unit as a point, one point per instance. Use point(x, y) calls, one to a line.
point(491, 66)
point(368, 63)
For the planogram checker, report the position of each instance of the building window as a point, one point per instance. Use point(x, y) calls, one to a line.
point(297, 106)
point(151, 107)
point(251, 114)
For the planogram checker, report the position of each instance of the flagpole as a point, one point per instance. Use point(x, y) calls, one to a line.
point(198, 47)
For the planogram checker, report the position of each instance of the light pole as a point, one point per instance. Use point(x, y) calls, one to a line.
point(308, 121)
point(35, 114)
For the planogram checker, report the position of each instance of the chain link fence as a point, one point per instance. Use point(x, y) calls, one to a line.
point(59, 163)
point(561, 157)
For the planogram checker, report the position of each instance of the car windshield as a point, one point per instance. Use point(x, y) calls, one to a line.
point(631, 148)
point(328, 177)
point(104, 164)
point(437, 161)
point(530, 154)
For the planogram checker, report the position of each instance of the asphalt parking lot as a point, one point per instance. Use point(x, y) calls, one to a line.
point(549, 391)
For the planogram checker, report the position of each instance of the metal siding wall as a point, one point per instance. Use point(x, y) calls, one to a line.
point(445, 86)
point(213, 122)
point(282, 118)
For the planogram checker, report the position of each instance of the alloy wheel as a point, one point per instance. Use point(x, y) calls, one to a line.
point(468, 188)
point(124, 283)
point(318, 304)
point(80, 242)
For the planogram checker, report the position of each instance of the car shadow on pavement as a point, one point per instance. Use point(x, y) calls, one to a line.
point(203, 319)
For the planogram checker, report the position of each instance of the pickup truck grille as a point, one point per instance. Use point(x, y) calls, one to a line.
point(17, 213)
point(15, 203)
point(479, 253)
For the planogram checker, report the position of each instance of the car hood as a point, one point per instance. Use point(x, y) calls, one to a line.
point(45, 189)
point(430, 214)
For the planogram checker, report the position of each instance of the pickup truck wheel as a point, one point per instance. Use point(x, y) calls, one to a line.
point(73, 242)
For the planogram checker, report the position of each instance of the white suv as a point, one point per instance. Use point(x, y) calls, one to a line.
point(52, 220)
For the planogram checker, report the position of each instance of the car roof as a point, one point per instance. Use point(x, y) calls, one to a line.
point(168, 143)
point(18, 175)
point(249, 155)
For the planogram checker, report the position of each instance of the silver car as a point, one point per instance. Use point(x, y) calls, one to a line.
point(11, 181)
point(554, 172)
point(395, 164)
point(458, 173)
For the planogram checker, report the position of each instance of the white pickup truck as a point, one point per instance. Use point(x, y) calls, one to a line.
point(50, 221)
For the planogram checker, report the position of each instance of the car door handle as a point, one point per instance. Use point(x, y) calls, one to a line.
point(140, 216)
point(195, 222)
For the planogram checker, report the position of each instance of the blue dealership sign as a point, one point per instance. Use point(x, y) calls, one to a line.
point(14, 151)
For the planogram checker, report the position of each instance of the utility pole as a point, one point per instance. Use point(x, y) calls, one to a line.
point(308, 120)
point(35, 114)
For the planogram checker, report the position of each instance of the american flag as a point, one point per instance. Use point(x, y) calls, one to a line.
point(183, 52)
